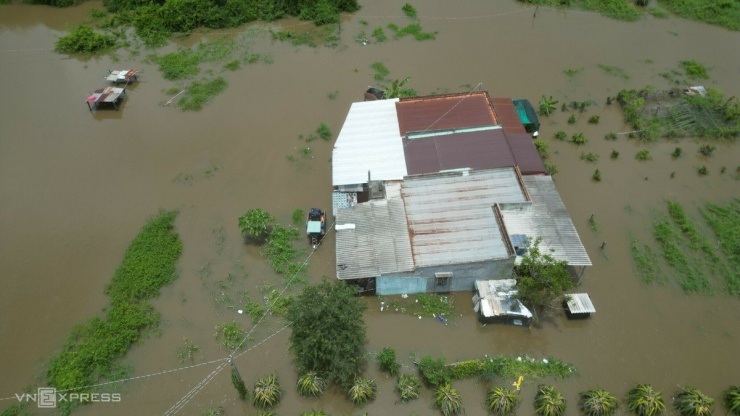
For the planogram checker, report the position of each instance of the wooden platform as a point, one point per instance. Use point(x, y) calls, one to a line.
point(123, 76)
point(107, 95)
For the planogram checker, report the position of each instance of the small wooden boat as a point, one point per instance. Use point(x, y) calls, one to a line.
point(316, 226)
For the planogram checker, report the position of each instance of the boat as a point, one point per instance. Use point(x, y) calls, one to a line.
point(316, 226)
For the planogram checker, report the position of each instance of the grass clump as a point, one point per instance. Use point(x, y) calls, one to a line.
point(644, 257)
point(187, 351)
point(549, 402)
point(547, 106)
point(448, 400)
point(279, 249)
point(611, 136)
point(381, 71)
point(707, 149)
point(178, 65)
point(589, 157)
point(594, 119)
point(198, 93)
point(561, 135)
point(363, 390)
point(230, 334)
point(724, 220)
point(615, 9)
point(643, 155)
point(690, 279)
point(598, 402)
point(311, 385)
point(642, 400)
point(94, 348)
point(408, 386)
point(83, 40)
point(615, 71)
point(436, 372)
point(578, 139)
point(596, 176)
point(297, 216)
point(267, 392)
point(379, 35)
point(502, 401)
point(542, 147)
point(409, 10)
point(725, 14)
point(615, 154)
point(694, 70)
point(677, 152)
point(324, 131)
point(689, 401)
point(388, 362)
point(414, 30)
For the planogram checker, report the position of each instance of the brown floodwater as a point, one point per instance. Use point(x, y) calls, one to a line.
point(76, 187)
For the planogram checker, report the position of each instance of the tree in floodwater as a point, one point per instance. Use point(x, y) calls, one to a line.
point(541, 278)
point(256, 223)
point(329, 333)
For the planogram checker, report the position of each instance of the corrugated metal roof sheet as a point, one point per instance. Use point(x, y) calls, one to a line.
point(451, 218)
point(379, 242)
point(476, 150)
point(525, 154)
point(369, 141)
point(507, 115)
point(546, 217)
point(444, 112)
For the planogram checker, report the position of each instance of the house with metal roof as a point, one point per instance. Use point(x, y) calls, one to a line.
point(422, 188)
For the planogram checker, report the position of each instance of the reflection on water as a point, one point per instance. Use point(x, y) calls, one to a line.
point(74, 192)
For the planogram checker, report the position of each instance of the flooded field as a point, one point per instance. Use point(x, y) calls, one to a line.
point(76, 186)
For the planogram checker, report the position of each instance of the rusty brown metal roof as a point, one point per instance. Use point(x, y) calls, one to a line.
point(507, 115)
point(443, 112)
point(486, 149)
point(525, 154)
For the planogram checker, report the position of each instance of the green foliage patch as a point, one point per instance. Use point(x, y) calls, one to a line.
point(83, 40)
point(615, 9)
point(721, 13)
point(93, 349)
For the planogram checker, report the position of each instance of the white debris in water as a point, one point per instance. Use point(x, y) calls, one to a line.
point(240, 311)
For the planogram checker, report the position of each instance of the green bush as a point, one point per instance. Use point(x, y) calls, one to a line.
point(598, 402)
point(448, 400)
point(502, 401)
point(388, 362)
point(362, 391)
point(83, 40)
point(311, 385)
point(731, 399)
point(409, 10)
point(267, 392)
point(432, 371)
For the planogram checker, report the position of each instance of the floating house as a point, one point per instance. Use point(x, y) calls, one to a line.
point(431, 194)
point(112, 94)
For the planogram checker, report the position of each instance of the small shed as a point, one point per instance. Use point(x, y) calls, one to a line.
point(496, 302)
point(578, 306)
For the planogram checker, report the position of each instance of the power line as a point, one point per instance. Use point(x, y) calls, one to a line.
point(180, 404)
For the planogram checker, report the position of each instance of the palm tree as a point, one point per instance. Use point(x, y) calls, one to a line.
point(598, 402)
point(448, 400)
point(408, 386)
point(549, 402)
point(396, 89)
point(502, 401)
point(311, 385)
point(731, 398)
point(363, 391)
point(689, 401)
point(267, 392)
point(644, 401)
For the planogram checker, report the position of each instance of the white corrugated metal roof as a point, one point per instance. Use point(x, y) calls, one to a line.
point(580, 303)
point(377, 244)
point(546, 217)
point(370, 140)
point(451, 218)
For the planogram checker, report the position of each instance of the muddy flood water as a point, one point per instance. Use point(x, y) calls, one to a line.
point(76, 187)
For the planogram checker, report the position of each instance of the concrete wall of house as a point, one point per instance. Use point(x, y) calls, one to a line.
point(424, 280)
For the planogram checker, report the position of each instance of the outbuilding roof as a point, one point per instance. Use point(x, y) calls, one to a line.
point(546, 217)
point(370, 141)
point(443, 112)
point(451, 218)
point(372, 239)
point(481, 149)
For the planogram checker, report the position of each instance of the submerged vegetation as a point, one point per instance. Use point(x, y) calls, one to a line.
point(83, 40)
point(675, 113)
point(643, 400)
point(94, 349)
